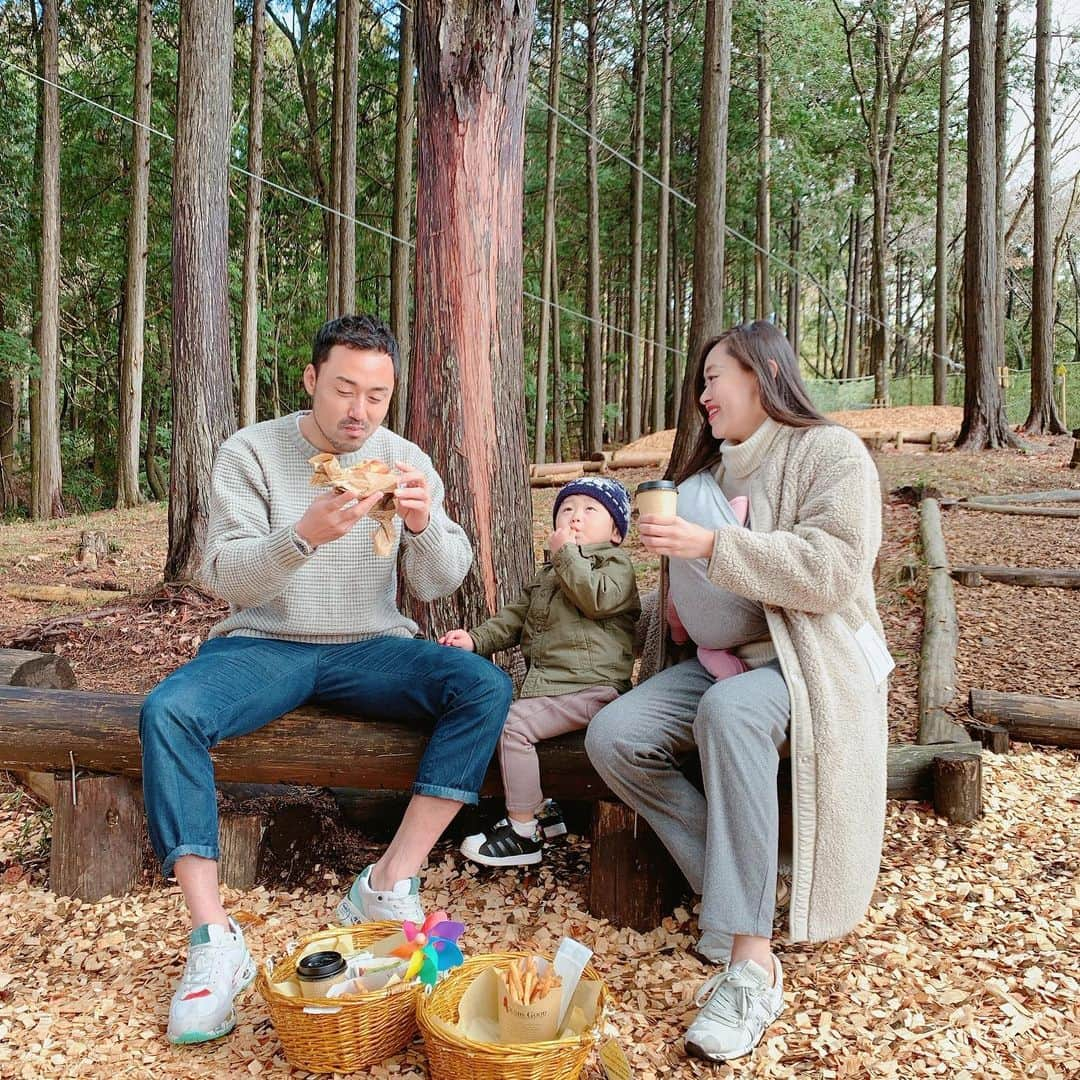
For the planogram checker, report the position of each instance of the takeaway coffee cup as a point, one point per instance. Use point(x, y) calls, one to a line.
point(658, 497)
point(318, 971)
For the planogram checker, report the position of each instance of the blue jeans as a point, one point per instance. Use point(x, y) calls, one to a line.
point(238, 684)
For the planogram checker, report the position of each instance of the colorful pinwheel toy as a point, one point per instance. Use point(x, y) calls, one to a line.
point(431, 947)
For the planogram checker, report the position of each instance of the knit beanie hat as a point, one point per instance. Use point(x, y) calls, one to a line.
point(614, 498)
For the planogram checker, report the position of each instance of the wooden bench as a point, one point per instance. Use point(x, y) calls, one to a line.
point(98, 825)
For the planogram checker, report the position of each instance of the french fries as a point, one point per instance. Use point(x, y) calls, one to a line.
point(525, 985)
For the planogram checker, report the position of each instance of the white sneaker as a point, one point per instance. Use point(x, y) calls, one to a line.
point(737, 1006)
point(218, 968)
point(365, 904)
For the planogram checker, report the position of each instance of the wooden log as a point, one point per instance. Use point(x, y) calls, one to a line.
point(911, 768)
point(1074, 462)
point(958, 788)
point(1066, 495)
point(557, 468)
point(639, 459)
point(99, 839)
point(555, 479)
point(309, 746)
point(240, 841)
point(923, 438)
point(937, 662)
point(968, 576)
point(1021, 511)
point(21, 668)
point(62, 594)
point(1051, 721)
point(933, 537)
point(1033, 576)
point(632, 879)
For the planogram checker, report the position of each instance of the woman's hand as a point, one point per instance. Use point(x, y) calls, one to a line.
point(672, 536)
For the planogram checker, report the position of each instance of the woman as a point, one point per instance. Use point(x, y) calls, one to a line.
point(792, 595)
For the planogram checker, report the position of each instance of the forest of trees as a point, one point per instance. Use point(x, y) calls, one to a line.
point(899, 184)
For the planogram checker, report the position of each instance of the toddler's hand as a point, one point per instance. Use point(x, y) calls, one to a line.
point(458, 639)
point(560, 538)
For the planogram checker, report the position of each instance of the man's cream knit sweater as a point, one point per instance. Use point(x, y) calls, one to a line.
point(344, 591)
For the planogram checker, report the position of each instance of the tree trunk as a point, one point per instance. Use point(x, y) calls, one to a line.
point(1001, 158)
point(9, 389)
point(550, 176)
point(762, 294)
point(984, 415)
point(594, 359)
point(1043, 416)
point(941, 219)
point(794, 329)
point(134, 335)
point(641, 79)
point(678, 293)
point(468, 408)
point(558, 411)
point(346, 271)
point(46, 478)
point(249, 316)
point(333, 248)
point(660, 355)
point(403, 188)
point(201, 370)
point(707, 313)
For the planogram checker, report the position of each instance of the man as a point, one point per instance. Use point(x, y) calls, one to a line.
point(313, 617)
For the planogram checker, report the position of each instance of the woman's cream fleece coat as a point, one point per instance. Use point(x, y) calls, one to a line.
point(808, 557)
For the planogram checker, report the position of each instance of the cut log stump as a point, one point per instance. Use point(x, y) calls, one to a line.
point(47, 670)
point(632, 880)
point(958, 788)
point(93, 548)
point(994, 737)
point(240, 840)
point(99, 838)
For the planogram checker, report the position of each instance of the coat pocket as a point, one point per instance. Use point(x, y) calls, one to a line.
point(874, 651)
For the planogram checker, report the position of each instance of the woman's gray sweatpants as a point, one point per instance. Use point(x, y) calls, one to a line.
point(724, 841)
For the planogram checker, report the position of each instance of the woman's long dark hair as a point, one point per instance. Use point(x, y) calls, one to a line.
point(783, 396)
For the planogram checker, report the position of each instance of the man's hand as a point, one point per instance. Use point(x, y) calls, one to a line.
point(560, 538)
point(332, 515)
point(413, 498)
point(674, 537)
point(458, 639)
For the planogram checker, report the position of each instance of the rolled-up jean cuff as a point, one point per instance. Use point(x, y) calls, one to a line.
point(202, 850)
point(470, 798)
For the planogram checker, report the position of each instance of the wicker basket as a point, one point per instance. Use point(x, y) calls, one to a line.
point(365, 1030)
point(452, 1057)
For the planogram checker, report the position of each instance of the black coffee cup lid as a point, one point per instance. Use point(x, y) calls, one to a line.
point(320, 965)
point(657, 485)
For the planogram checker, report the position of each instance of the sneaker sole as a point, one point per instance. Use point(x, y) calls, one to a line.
point(191, 1038)
point(506, 860)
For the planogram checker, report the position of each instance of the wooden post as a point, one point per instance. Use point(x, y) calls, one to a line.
point(994, 737)
point(1075, 462)
point(958, 788)
point(632, 879)
point(93, 548)
point(98, 837)
point(240, 840)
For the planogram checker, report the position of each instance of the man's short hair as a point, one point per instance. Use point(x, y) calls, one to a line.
point(355, 332)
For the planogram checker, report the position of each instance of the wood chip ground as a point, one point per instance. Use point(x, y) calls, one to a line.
point(967, 965)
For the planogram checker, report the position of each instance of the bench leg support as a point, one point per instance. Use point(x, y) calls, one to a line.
point(99, 839)
point(632, 880)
